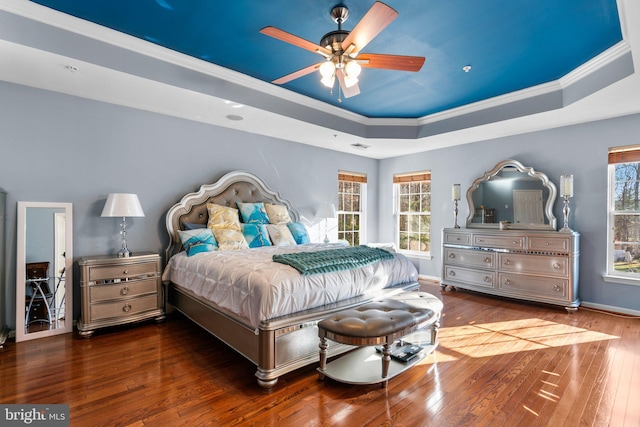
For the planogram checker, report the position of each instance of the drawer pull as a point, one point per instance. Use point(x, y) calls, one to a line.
point(487, 260)
point(452, 255)
point(546, 243)
point(458, 239)
point(556, 266)
point(507, 282)
point(487, 279)
point(557, 288)
point(124, 290)
point(515, 242)
point(126, 272)
point(126, 308)
point(452, 273)
point(506, 262)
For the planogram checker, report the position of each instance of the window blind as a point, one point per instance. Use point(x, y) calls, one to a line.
point(630, 154)
point(412, 177)
point(352, 177)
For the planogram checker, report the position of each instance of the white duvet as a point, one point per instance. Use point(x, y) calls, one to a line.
point(249, 284)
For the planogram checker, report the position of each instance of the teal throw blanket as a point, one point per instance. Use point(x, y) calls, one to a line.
point(328, 261)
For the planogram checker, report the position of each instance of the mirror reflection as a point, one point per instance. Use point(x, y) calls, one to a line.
point(512, 196)
point(43, 270)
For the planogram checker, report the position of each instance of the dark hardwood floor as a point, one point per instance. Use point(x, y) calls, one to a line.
point(499, 363)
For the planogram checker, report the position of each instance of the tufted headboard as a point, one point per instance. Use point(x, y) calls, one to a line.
point(237, 186)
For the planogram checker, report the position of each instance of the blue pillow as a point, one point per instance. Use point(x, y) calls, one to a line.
point(256, 235)
point(299, 232)
point(198, 240)
point(253, 213)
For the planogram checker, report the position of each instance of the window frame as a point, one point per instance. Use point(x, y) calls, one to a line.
point(618, 155)
point(361, 180)
point(408, 178)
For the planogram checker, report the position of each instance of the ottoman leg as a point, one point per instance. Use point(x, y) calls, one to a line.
point(324, 345)
point(386, 359)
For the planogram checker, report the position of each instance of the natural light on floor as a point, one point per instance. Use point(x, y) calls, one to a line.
point(491, 339)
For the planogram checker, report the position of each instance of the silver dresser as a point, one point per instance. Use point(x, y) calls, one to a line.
point(531, 265)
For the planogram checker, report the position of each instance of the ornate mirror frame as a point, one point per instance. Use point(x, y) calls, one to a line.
point(551, 221)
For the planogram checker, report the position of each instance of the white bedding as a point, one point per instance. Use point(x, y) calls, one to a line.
point(248, 283)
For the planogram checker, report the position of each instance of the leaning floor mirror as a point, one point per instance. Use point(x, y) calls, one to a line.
point(44, 285)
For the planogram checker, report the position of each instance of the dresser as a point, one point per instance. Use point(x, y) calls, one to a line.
point(119, 290)
point(531, 265)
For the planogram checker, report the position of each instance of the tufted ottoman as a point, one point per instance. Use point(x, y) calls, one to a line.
point(382, 322)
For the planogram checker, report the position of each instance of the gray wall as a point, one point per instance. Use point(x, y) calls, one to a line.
point(59, 148)
point(580, 150)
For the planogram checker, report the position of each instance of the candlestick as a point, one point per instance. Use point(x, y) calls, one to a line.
point(455, 192)
point(566, 185)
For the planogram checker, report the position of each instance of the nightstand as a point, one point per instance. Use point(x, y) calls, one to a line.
point(117, 290)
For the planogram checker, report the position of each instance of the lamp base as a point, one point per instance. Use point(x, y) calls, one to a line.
point(124, 253)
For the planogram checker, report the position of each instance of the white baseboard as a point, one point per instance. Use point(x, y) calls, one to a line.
point(610, 308)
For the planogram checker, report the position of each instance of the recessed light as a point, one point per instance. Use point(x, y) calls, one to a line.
point(234, 117)
point(466, 68)
point(360, 146)
point(71, 68)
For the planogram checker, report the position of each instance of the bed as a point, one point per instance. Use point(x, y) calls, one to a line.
point(274, 328)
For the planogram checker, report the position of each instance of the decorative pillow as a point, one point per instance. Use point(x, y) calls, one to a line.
point(223, 217)
point(280, 235)
point(193, 225)
point(198, 240)
point(253, 213)
point(299, 233)
point(229, 240)
point(256, 235)
point(278, 214)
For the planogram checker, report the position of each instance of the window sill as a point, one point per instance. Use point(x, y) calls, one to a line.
point(623, 280)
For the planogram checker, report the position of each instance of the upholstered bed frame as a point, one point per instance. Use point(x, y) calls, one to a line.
point(279, 345)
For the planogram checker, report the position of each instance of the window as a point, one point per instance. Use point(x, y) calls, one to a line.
point(351, 201)
point(413, 212)
point(624, 213)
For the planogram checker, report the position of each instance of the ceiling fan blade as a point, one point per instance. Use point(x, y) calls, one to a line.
point(391, 62)
point(282, 35)
point(297, 74)
point(375, 20)
point(347, 91)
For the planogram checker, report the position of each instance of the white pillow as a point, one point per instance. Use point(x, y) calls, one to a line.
point(280, 235)
point(278, 214)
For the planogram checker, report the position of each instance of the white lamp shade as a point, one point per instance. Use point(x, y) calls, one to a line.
point(327, 210)
point(122, 205)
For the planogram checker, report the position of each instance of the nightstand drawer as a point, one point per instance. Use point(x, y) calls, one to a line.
point(127, 289)
point(124, 271)
point(124, 308)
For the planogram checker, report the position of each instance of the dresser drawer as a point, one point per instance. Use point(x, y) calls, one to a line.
point(533, 286)
point(124, 308)
point(506, 242)
point(457, 238)
point(473, 277)
point(535, 264)
point(123, 271)
point(128, 289)
point(550, 244)
point(471, 258)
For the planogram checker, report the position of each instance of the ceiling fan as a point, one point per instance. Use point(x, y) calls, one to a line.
point(342, 49)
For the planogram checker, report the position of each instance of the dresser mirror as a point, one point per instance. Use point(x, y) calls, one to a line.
point(512, 196)
point(44, 301)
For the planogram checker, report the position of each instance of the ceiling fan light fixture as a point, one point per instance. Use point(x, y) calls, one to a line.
point(327, 69)
point(353, 69)
point(328, 81)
